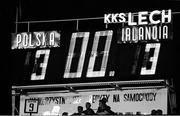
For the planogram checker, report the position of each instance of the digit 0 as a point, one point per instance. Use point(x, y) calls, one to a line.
point(90, 70)
point(94, 54)
point(71, 55)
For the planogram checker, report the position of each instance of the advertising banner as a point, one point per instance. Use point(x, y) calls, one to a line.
point(132, 100)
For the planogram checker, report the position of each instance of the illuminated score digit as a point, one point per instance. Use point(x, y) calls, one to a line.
point(90, 72)
point(40, 65)
point(71, 54)
point(153, 60)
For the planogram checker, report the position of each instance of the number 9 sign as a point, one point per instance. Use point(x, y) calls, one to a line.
point(31, 106)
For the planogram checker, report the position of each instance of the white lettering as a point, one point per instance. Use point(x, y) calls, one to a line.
point(154, 32)
point(142, 16)
point(130, 19)
point(25, 39)
point(166, 16)
point(122, 17)
point(114, 16)
point(141, 33)
point(165, 32)
point(106, 18)
point(51, 39)
point(18, 39)
point(38, 38)
point(128, 34)
point(151, 17)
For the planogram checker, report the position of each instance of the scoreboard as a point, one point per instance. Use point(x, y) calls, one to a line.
point(56, 67)
point(113, 53)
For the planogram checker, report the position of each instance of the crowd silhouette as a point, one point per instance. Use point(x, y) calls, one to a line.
point(104, 109)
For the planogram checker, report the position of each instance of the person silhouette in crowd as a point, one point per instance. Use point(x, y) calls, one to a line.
point(103, 108)
point(138, 113)
point(88, 110)
point(80, 111)
point(153, 112)
point(64, 114)
point(156, 112)
point(159, 112)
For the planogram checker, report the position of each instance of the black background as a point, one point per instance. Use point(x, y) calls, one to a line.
point(58, 9)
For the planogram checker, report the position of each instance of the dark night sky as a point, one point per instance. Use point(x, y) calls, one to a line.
point(63, 9)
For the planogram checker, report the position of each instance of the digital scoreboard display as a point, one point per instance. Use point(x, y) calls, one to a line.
point(118, 52)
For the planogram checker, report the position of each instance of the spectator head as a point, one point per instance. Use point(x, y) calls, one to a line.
point(129, 113)
point(101, 103)
point(104, 100)
point(80, 109)
point(120, 113)
point(153, 112)
point(159, 112)
point(88, 105)
point(64, 114)
point(138, 113)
